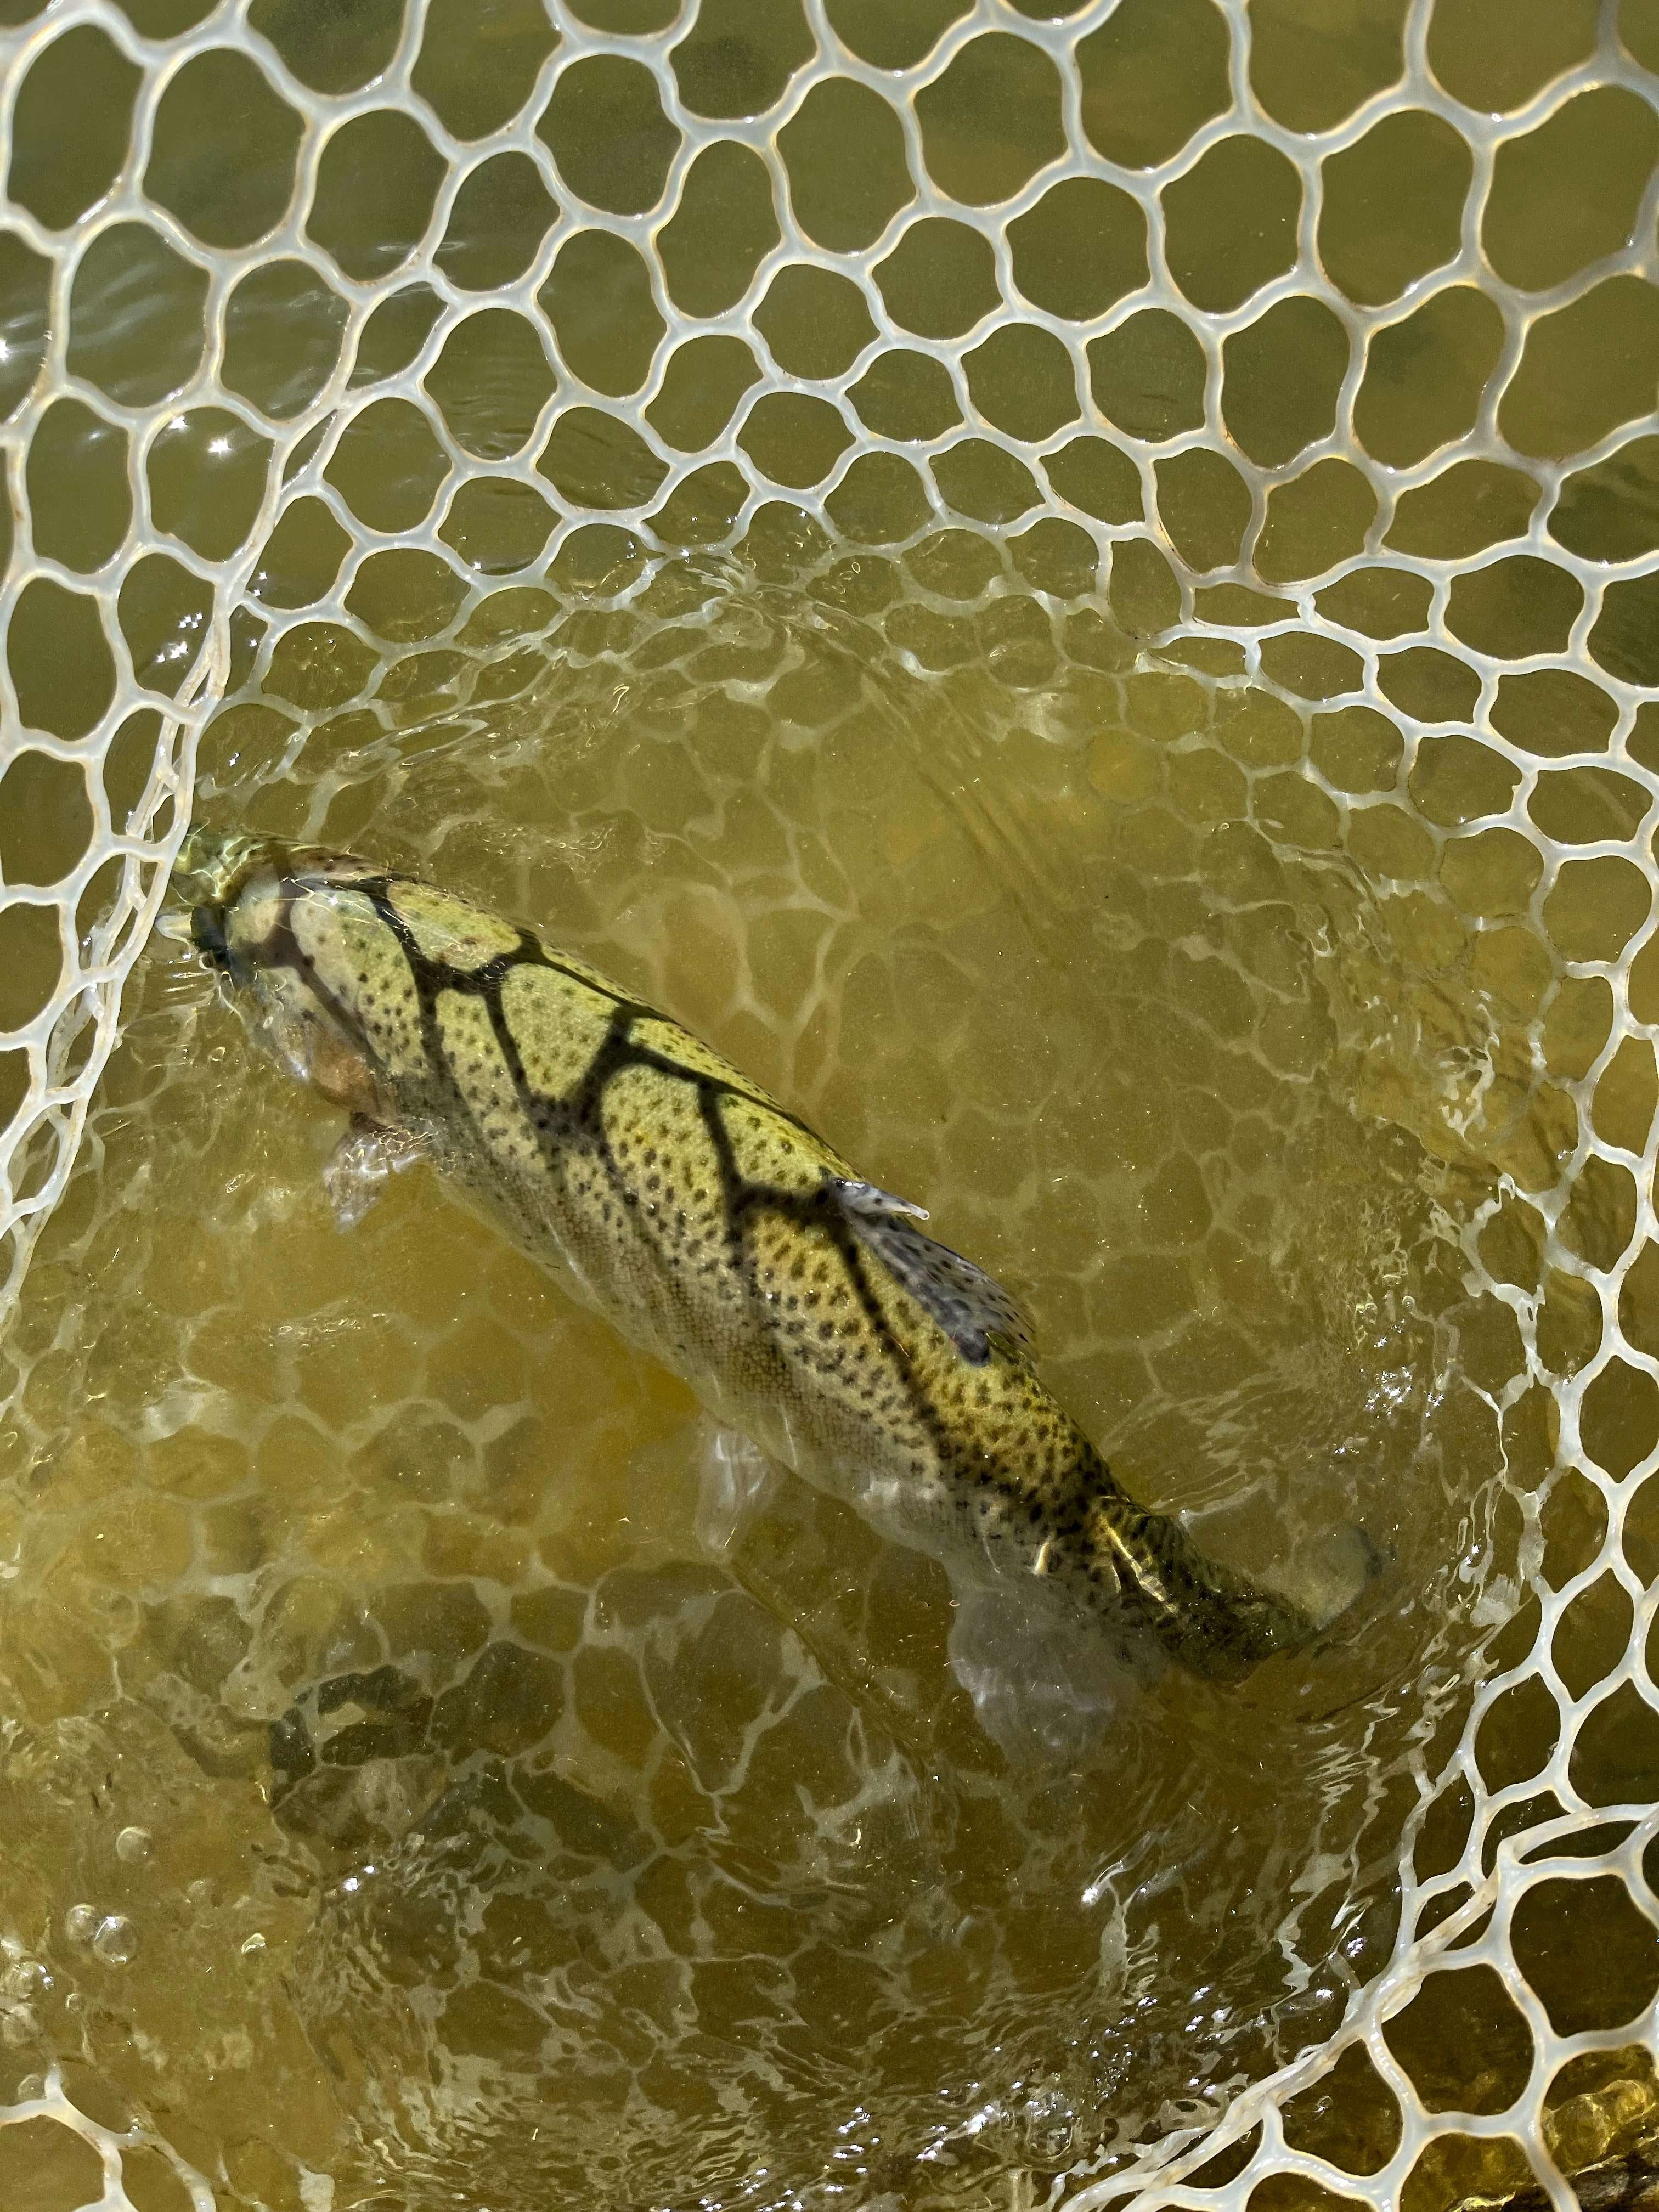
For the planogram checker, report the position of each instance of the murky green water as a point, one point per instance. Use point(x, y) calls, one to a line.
point(547, 1799)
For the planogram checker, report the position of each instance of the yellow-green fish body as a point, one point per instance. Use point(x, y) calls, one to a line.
point(804, 1305)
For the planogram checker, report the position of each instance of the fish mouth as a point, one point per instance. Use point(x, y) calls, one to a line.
point(208, 872)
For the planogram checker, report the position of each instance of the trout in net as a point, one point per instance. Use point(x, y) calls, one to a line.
point(804, 1305)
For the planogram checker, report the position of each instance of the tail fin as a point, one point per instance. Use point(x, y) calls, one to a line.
point(1334, 1578)
point(1215, 1622)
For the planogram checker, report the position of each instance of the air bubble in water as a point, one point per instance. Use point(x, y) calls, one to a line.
point(117, 1941)
point(80, 1922)
point(22, 1979)
point(132, 1845)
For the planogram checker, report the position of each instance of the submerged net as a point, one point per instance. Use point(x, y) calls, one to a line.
point(1260, 398)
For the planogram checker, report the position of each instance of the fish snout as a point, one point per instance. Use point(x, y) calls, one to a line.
point(212, 864)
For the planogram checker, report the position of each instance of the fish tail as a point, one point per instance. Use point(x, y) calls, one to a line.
point(1214, 1621)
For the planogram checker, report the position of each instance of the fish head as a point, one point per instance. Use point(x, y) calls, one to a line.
point(276, 923)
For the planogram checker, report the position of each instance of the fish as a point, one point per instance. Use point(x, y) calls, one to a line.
point(806, 1305)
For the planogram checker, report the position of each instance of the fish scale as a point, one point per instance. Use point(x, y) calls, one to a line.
point(710, 1225)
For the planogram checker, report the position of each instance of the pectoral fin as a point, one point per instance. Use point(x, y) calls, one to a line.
point(359, 1163)
point(971, 1307)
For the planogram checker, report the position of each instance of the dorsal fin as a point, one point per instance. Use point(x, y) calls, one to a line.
point(970, 1306)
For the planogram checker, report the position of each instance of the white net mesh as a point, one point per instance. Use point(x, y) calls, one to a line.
point(1260, 400)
